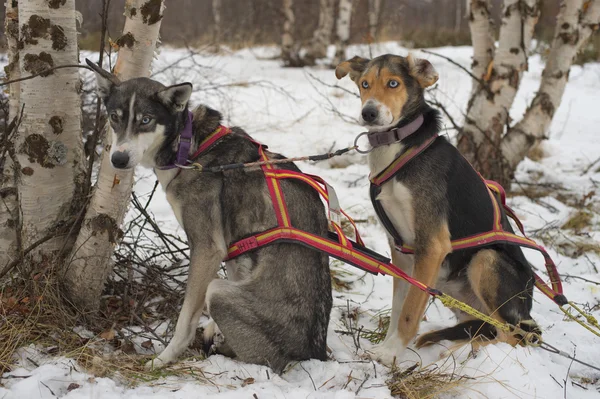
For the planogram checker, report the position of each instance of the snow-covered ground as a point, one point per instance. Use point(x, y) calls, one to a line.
point(293, 114)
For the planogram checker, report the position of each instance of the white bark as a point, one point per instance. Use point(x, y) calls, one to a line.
point(487, 114)
point(480, 24)
point(216, 9)
point(8, 203)
point(322, 36)
point(49, 146)
point(90, 262)
point(289, 49)
point(342, 30)
point(373, 16)
point(571, 34)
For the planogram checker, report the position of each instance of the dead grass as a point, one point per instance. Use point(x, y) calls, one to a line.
point(580, 220)
point(423, 382)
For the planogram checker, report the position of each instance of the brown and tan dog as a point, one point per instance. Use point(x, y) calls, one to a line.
point(435, 197)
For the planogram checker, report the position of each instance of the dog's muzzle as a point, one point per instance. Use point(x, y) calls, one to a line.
point(120, 159)
point(370, 113)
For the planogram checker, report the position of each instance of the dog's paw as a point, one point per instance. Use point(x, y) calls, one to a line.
point(155, 364)
point(389, 351)
point(212, 336)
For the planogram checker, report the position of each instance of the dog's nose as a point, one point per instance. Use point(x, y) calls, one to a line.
point(120, 159)
point(369, 114)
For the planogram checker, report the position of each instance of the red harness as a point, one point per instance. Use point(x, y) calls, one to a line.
point(495, 236)
point(339, 246)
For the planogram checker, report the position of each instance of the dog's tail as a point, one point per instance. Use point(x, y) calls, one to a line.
point(464, 331)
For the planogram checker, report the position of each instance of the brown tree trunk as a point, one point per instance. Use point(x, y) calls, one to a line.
point(91, 259)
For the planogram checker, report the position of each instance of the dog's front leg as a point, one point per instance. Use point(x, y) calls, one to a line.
point(203, 268)
point(428, 260)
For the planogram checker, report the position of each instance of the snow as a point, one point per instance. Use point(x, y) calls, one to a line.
point(292, 113)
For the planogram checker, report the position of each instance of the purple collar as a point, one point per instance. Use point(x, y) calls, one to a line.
point(377, 139)
point(184, 143)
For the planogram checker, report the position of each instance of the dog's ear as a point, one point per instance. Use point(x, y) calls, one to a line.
point(422, 71)
point(176, 97)
point(104, 80)
point(355, 66)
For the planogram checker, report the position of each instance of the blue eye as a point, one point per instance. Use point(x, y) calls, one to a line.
point(114, 117)
point(146, 120)
point(393, 84)
point(365, 84)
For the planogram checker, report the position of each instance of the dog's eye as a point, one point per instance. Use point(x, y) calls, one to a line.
point(393, 84)
point(365, 84)
point(114, 117)
point(146, 119)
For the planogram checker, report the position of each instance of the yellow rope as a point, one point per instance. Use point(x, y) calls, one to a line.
point(529, 338)
point(588, 317)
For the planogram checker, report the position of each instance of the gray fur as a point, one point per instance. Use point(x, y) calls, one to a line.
point(275, 306)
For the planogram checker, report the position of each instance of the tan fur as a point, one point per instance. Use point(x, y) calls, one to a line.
point(422, 71)
point(427, 267)
point(484, 282)
point(378, 90)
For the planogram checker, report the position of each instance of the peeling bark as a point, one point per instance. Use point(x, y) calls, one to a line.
point(481, 26)
point(91, 259)
point(52, 165)
point(322, 36)
point(342, 31)
point(573, 28)
point(487, 113)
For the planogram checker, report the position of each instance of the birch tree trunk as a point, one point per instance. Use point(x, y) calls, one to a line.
point(289, 48)
point(322, 36)
point(49, 145)
point(373, 16)
point(91, 259)
point(342, 30)
point(574, 26)
point(216, 9)
point(481, 25)
point(487, 112)
point(8, 189)
point(493, 146)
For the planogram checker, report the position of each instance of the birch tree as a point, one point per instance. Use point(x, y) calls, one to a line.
point(8, 189)
point(322, 36)
point(373, 16)
point(49, 146)
point(90, 261)
point(216, 9)
point(488, 140)
point(342, 30)
point(289, 48)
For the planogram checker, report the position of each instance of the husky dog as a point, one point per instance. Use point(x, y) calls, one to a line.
point(435, 197)
point(275, 306)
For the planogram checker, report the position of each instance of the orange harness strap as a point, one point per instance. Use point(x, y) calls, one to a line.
point(495, 236)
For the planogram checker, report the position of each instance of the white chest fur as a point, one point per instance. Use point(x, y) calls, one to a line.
point(395, 197)
point(164, 178)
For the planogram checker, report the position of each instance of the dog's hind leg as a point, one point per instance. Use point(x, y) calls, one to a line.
point(202, 270)
point(246, 325)
point(504, 290)
point(428, 260)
